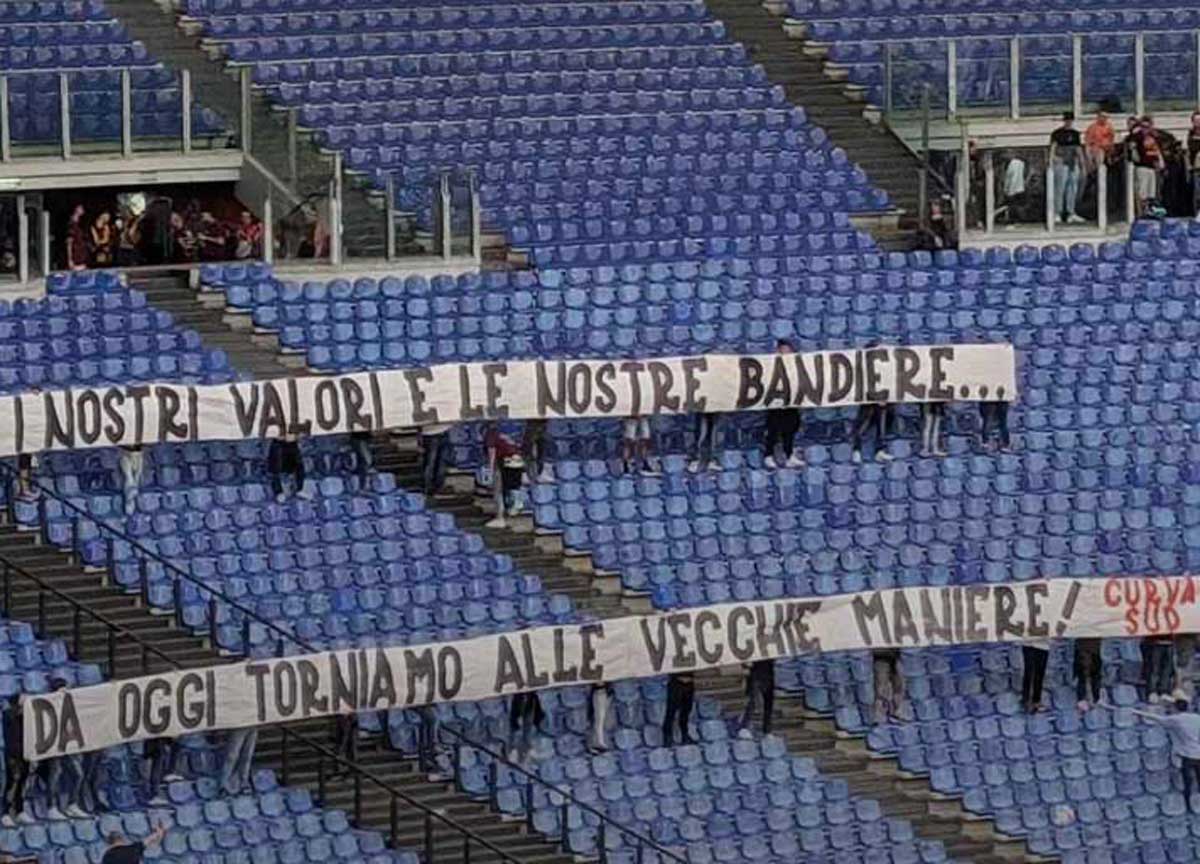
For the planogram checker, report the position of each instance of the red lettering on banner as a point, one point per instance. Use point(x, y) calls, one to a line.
point(1151, 605)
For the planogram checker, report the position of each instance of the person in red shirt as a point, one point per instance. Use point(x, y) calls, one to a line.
point(506, 468)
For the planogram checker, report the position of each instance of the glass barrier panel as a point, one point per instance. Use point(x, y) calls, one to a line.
point(913, 65)
point(1046, 63)
point(1108, 73)
point(95, 110)
point(984, 75)
point(34, 113)
point(1170, 71)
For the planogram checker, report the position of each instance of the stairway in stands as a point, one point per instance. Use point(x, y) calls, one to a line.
point(889, 163)
point(155, 26)
point(967, 838)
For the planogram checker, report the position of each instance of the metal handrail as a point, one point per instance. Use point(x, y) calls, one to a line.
point(532, 778)
point(9, 569)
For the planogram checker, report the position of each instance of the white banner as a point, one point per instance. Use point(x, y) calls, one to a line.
point(527, 389)
point(253, 693)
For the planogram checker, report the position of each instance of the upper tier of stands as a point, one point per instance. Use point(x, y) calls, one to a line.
point(573, 114)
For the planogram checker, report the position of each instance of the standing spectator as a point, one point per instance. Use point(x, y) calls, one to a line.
point(159, 754)
point(932, 414)
point(364, 459)
point(783, 424)
point(760, 686)
point(182, 240)
point(872, 419)
point(994, 422)
point(434, 440)
point(1193, 158)
point(533, 449)
point(285, 459)
point(238, 759)
point(681, 696)
point(77, 242)
point(504, 465)
point(1158, 656)
point(102, 240)
point(345, 740)
point(1148, 162)
point(64, 777)
point(211, 238)
point(249, 237)
point(121, 851)
point(25, 485)
point(601, 697)
point(1066, 160)
point(16, 769)
point(1013, 189)
point(636, 445)
point(1183, 728)
point(1098, 141)
point(708, 427)
point(1089, 672)
point(525, 718)
point(133, 469)
point(1034, 655)
point(888, 683)
point(1185, 655)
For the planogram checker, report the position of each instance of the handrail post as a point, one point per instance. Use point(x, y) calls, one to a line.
point(64, 113)
point(358, 799)
point(126, 115)
point(43, 526)
point(466, 856)
point(74, 540)
point(110, 558)
point(41, 613)
point(112, 653)
point(529, 803)
point(428, 837)
point(77, 633)
point(394, 822)
point(5, 120)
point(145, 660)
point(245, 635)
point(321, 779)
point(493, 783)
point(144, 579)
point(564, 816)
point(10, 495)
point(7, 590)
point(285, 763)
point(603, 845)
point(212, 622)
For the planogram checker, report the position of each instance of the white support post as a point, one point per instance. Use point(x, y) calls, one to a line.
point(268, 236)
point(951, 79)
point(389, 209)
point(5, 129)
point(1051, 216)
point(126, 115)
point(293, 173)
point(447, 249)
point(476, 220)
point(1014, 77)
point(335, 226)
point(1130, 203)
point(44, 241)
point(1077, 75)
point(1102, 198)
point(989, 192)
point(64, 113)
point(22, 241)
point(1139, 73)
point(244, 128)
point(185, 99)
point(963, 186)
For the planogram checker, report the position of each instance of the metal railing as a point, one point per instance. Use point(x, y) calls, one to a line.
point(640, 841)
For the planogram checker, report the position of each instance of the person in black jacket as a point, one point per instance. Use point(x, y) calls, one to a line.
point(760, 685)
point(783, 424)
point(1089, 671)
point(525, 717)
point(681, 696)
point(284, 458)
point(16, 768)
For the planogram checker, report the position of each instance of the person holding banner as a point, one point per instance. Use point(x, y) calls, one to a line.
point(872, 419)
point(635, 445)
point(133, 468)
point(507, 470)
point(888, 683)
point(1183, 728)
point(285, 459)
point(932, 415)
point(238, 760)
point(15, 766)
point(364, 459)
point(681, 697)
point(533, 450)
point(1158, 658)
point(525, 718)
point(783, 425)
point(1034, 655)
point(435, 438)
point(601, 698)
point(1089, 672)
point(707, 428)
point(760, 685)
point(994, 419)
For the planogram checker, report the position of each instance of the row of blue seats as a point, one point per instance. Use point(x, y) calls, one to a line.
point(818, 9)
point(65, 57)
point(72, 33)
point(53, 11)
point(1028, 24)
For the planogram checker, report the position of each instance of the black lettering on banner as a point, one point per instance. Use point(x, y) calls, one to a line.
point(259, 672)
point(868, 611)
point(193, 414)
point(328, 405)
point(750, 383)
point(356, 400)
point(680, 622)
point(655, 650)
point(272, 414)
point(210, 702)
point(908, 366)
point(508, 668)
point(60, 426)
point(168, 409)
point(937, 373)
point(421, 415)
point(810, 389)
point(139, 395)
point(114, 429)
point(859, 376)
point(662, 380)
point(937, 629)
point(156, 706)
point(549, 398)
point(564, 673)
point(88, 419)
point(707, 620)
point(691, 384)
point(976, 594)
point(841, 377)
point(770, 636)
point(957, 600)
point(56, 730)
point(376, 399)
point(383, 684)
point(1005, 604)
point(296, 426)
point(190, 712)
point(903, 624)
point(450, 672)
point(1034, 594)
point(287, 691)
point(800, 614)
point(129, 710)
point(739, 618)
point(467, 410)
point(780, 389)
point(363, 673)
point(579, 387)
point(589, 670)
point(19, 422)
point(492, 373)
point(245, 410)
point(606, 396)
point(419, 676)
point(874, 377)
point(1068, 608)
point(533, 678)
point(311, 704)
point(343, 685)
point(633, 368)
